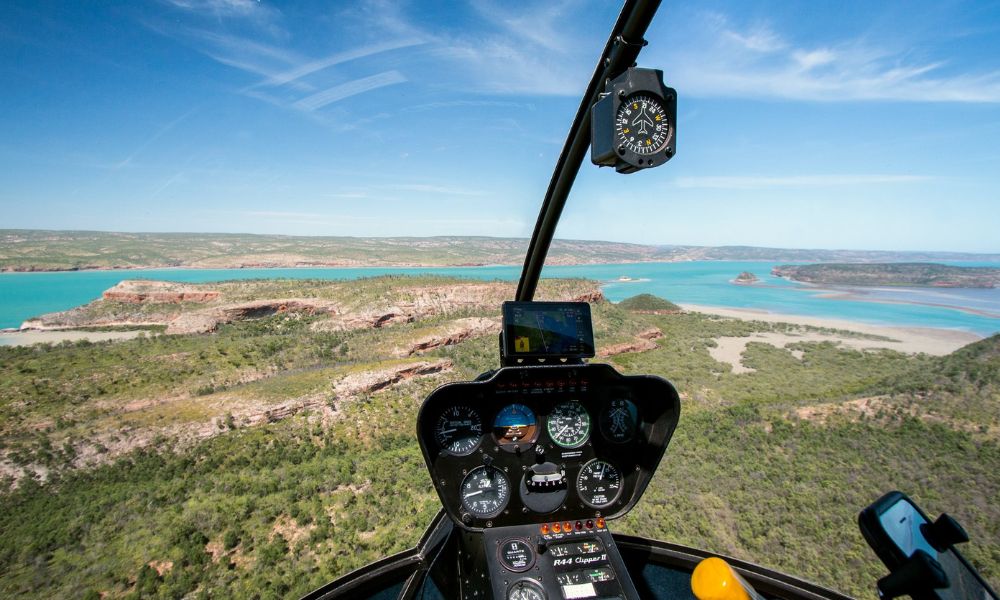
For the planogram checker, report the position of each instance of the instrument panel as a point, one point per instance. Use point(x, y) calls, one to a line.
point(533, 444)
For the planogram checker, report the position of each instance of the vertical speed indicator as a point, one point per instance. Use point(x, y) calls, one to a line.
point(599, 483)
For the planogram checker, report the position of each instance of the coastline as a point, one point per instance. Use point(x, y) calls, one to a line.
point(929, 340)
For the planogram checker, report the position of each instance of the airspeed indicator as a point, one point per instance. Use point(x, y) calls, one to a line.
point(569, 424)
point(458, 430)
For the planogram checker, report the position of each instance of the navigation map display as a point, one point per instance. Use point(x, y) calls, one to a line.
point(540, 329)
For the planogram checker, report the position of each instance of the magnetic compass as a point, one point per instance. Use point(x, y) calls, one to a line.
point(641, 124)
point(634, 122)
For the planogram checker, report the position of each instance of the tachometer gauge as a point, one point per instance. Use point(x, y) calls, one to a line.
point(458, 430)
point(526, 589)
point(641, 124)
point(619, 420)
point(569, 424)
point(485, 491)
point(515, 423)
point(599, 483)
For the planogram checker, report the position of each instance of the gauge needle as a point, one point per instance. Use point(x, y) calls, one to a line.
point(475, 493)
point(562, 430)
point(447, 431)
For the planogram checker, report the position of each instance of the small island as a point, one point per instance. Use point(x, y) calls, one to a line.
point(745, 278)
point(892, 274)
point(649, 304)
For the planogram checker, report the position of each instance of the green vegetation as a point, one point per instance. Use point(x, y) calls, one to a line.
point(647, 302)
point(901, 274)
point(147, 475)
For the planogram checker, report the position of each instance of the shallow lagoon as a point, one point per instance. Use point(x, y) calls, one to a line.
point(24, 295)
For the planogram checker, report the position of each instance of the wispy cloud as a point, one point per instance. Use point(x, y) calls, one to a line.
point(435, 189)
point(351, 88)
point(756, 182)
point(720, 58)
point(253, 10)
point(311, 67)
point(149, 141)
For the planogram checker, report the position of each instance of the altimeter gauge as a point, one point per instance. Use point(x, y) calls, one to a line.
point(599, 483)
point(485, 491)
point(569, 424)
point(458, 430)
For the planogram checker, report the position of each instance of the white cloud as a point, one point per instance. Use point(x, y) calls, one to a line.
point(351, 88)
point(719, 59)
point(311, 67)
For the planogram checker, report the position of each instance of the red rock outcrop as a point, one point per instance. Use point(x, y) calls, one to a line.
point(157, 292)
point(644, 341)
point(204, 321)
point(372, 381)
point(455, 332)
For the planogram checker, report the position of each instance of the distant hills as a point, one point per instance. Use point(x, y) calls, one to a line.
point(901, 274)
point(40, 250)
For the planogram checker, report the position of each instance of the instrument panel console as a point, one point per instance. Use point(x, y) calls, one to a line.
point(535, 444)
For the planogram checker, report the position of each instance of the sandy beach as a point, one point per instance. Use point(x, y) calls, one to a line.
point(26, 338)
point(902, 339)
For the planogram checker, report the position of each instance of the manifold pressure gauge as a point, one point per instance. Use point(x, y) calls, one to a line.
point(634, 123)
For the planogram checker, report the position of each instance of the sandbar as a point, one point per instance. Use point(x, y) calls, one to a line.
point(26, 338)
point(912, 340)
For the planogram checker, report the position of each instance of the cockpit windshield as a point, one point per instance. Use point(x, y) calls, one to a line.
point(255, 257)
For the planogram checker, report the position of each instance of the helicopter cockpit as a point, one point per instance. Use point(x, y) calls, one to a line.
point(532, 461)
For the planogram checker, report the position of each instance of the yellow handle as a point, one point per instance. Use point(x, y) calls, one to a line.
point(714, 579)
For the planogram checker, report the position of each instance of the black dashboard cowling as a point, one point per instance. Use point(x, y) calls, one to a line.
point(544, 472)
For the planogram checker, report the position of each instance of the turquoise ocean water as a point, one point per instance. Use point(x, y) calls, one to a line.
point(24, 295)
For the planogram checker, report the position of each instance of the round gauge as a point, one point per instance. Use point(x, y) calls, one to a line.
point(516, 555)
point(458, 430)
point(485, 491)
point(569, 424)
point(515, 423)
point(619, 420)
point(526, 589)
point(599, 483)
point(641, 124)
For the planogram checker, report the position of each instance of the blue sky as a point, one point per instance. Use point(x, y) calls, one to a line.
point(869, 125)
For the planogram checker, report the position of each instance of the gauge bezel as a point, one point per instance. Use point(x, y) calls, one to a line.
point(446, 448)
point(527, 582)
point(659, 103)
point(602, 425)
point(522, 443)
point(587, 425)
point(618, 493)
point(505, 496)
point(533, 556)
